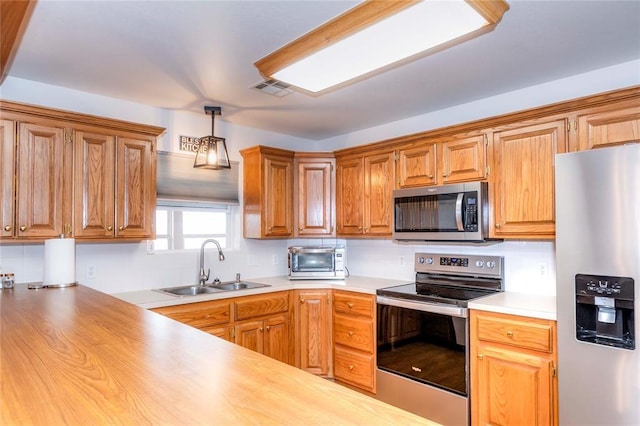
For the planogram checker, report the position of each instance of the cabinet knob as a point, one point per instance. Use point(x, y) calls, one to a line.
point(350, 305)
point(121, 228)
point(301, 300)
point(109, 228)
point(497, 225)
point(430, 176)
point(7, 228)
point(444, 175)
point(480, 356)
point(350, 333)
point(509, 333)
point(260, 329)
point(23, 228)
point(351, 367)
point(268, 327)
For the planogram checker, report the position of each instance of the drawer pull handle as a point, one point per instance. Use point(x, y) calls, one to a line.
point(416, 369)
point(350, 305)
point(351, 367)
point(350, 333)
point(509, 333)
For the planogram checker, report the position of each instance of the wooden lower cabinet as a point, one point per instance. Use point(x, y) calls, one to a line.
point(261, 323)
point(313, 331)
point(513, 370)
point(354, 339)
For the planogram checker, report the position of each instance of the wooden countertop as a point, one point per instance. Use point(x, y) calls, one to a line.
point(78, 356)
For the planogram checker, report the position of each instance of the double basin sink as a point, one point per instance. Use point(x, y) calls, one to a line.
point(194, 290)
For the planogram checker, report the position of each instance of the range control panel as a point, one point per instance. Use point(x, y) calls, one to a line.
point(469, 265)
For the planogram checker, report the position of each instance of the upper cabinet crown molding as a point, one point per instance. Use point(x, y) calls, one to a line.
point(13, 110)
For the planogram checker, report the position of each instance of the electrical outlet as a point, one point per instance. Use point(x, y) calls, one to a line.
point(275, 259)
point(542, 268)
point(91, 272)
point(401, 260)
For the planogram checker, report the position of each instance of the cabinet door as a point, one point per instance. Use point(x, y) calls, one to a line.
point(7, 177)
point(379, 177)
point(609, 128)
point(250, 335)
point(276, 338)
point(40, 171)
point(463, 159)
point(315, 194)
point(349, 192)
point(499, 373)
point(314, 332)
point(94, 175)
point(417, 165)
point(522, 194)
point(278, 196)
point(135, 188)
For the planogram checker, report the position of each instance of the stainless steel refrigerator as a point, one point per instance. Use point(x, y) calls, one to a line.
point(598, 270)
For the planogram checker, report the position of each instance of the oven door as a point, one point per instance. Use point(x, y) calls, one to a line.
point(424, 342)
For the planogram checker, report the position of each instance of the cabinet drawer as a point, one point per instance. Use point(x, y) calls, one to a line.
point(526, 333)
point(199, 315)
point(356, 333)
point(355, 368)
point(353, 303)
point(255, 306)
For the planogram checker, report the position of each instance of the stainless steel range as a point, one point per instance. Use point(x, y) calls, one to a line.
point(423, 334)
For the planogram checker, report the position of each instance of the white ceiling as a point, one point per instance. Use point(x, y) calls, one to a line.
point(187, 54)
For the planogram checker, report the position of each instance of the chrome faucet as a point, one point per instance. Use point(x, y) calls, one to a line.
point(204, 277)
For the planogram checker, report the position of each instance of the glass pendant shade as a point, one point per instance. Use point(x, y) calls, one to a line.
point(212, 150)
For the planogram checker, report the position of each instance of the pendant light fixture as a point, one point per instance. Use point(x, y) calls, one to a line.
point(375, 36)
point(212, 150)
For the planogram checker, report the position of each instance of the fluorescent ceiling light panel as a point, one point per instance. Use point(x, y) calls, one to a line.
point(409, 32)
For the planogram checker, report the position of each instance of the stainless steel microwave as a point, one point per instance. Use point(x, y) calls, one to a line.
point(456, 212)
point(308, 263)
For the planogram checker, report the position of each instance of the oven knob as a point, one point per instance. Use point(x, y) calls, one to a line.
point(491, 264)
point(421, 259)
point(429, 260)
point(479, 263)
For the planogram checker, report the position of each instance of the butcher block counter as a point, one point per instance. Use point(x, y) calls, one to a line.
point(77, 356)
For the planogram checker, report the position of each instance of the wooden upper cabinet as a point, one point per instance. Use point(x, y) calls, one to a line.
point(608, 128)
point(40, 195)
point(94, 201)
point(522, 189)
point(7, 177)
point(135, 187)
point(463, 159)
point(315, 195)
point(79, 175)
point(379, 177)
point(349, 196)
point(440, 161)
point(417, 164)
point(364, 194)
point(267, 192)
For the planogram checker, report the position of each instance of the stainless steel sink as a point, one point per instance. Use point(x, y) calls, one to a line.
point(194, 290)
point(235, 285)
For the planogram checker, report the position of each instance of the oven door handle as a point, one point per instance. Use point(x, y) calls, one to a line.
point(459, 206)
point(452, 311)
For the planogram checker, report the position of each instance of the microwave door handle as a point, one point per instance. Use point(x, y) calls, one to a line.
point(459, 211)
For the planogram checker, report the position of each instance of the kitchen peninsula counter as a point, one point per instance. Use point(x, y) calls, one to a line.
point(78, 356)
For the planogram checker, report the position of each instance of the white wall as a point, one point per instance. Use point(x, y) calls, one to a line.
point(125, 267)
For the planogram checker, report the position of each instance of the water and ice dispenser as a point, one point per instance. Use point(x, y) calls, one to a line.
point(605, 310)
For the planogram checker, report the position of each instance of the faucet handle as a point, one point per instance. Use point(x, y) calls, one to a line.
point(238, 277)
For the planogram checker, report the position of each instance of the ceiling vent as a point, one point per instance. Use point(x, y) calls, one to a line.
point(273, 87)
